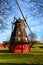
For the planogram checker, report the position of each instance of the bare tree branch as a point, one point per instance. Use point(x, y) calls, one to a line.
point(7, 7)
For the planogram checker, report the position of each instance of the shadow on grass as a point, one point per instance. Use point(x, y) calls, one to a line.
point(17, 64)
point(14, 64)
point(4, 51)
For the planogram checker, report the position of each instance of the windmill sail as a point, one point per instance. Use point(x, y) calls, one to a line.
point(23, 16)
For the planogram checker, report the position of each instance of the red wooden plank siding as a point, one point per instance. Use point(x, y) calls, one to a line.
point(21, 48)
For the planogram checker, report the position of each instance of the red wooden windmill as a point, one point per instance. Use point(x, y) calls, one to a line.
point(19, 40)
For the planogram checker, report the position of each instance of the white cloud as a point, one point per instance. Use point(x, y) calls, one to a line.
point(35, 29)
point(38, 30)
point(32, 29)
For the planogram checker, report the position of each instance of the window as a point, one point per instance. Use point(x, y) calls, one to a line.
point(26, 39)
point(18, 38)
point(19, 32)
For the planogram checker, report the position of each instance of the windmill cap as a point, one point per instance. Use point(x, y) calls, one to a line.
point(18, 21)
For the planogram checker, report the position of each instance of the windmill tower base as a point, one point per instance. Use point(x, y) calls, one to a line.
point(19, 47)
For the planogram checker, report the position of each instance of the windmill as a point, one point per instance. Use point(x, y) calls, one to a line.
point(19, 40)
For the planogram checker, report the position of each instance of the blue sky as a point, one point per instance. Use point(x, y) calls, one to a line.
point(33, 22)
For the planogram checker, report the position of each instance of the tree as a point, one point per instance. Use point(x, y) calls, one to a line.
point(7, 7)
point(32, 37)
point(41, 38)
point(37, 6)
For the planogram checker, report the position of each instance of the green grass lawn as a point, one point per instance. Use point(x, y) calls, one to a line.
point(29, 58)
point(33, 57)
